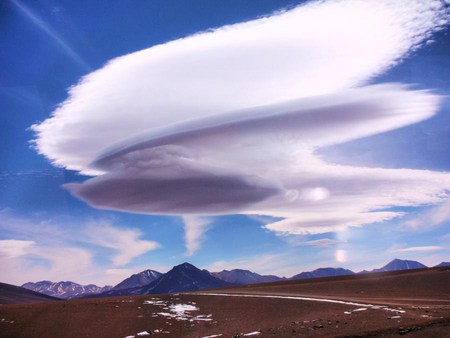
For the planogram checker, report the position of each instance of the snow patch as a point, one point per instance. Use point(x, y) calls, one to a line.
point(360, 309)
point(254, 333)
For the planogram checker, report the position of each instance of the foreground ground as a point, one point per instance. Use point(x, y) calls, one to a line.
point(414, 303)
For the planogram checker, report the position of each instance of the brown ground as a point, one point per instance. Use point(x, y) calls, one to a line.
point(424, 295)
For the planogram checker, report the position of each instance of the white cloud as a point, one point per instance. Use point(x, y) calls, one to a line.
point(315, 49)
point(14, 248)
point(421, 248)
point(228, 121)
point(123, 240)
point(432, 218)
point(194, 228)
point(43, 262)
point(61, 251)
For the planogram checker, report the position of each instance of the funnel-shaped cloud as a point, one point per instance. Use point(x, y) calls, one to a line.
point(228, 121)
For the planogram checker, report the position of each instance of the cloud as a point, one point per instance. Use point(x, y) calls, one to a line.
point(23, 261)
point(194, 228)
point(43, 26)
point(125, 241)
point(324, 242)
point(229, 121)
point(432, 218)
point(56, 249)
point(315, 49)
point(421, 248)
point(11, 248)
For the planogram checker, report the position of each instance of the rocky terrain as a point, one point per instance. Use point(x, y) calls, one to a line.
point(385, 304)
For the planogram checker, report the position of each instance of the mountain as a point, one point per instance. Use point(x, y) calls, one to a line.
point(440, 265)
point(399, 264)
point(238, 276)
point(323, 272)
point(182, 278)
point(139, 279)
point(65, 290)
point(11, 294)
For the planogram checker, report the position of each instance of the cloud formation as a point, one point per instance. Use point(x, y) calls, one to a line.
point(421, 248)
point(56, 249)
point(228, 121)
point(194, 229)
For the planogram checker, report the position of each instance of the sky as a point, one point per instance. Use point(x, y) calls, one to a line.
point(275, 136)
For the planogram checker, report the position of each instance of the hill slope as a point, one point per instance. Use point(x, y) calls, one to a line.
point(11, 294)
point(323, 272)
point(238, 276)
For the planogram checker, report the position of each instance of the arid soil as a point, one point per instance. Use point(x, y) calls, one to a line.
point(417, 304)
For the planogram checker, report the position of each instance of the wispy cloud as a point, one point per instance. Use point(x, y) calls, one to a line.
point(53, 249)
point(322, 242)
point(230, 120)
point(43, 26)
point(434, 217)
point(11, 248)
point(421, 248)
point(194, 229)
point(125, 241)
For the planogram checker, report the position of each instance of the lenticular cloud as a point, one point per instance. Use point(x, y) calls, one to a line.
point(228, 121)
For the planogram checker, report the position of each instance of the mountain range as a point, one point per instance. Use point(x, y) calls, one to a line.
point(65, 290)
point(186, 277)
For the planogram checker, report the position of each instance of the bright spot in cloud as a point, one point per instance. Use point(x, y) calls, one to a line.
point(228, 121)
point(340, 256)
point(316, 194)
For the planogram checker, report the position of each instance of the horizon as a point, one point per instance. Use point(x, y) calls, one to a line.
point(224, 134)
point(267, 274)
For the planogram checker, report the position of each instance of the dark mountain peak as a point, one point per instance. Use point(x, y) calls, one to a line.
point(185, 266)
point(442, 264)
point(400, 264)
point(138, 279)
point(404, 264)
point(181, 278)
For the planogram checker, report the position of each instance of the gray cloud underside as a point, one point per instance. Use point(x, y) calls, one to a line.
point(263, 160)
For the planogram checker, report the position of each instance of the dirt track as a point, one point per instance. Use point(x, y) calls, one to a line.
point(424, 299)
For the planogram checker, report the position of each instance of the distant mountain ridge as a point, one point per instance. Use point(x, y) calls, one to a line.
point(322, 272)
point(186, 277)
point(65, 290)
point(139, 279)
point(239, 276)
point(181, 278)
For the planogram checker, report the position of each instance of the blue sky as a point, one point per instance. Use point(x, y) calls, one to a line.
point(48, 231)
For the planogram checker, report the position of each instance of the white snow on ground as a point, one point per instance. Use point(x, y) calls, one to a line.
point(143, 333)
point(376, 307)
point(180, 309)
point(361, 309)
point(213, 336)
point(129, 337)
point(254, 333)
